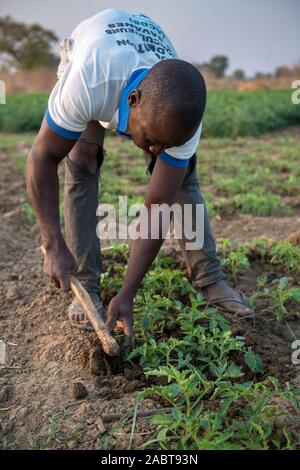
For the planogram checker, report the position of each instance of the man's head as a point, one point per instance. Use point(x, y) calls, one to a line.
point(167, 106)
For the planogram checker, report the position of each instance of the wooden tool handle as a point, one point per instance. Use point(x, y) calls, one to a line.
point(109, 344)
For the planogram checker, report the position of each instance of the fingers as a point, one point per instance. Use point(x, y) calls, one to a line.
point(111, 319)
point(121, 315)
point(127, 325)
point(64, 282)
point(57, 284)
point(123, 323)
point(128, 328)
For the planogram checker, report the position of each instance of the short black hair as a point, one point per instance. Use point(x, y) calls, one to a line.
point(175, 83)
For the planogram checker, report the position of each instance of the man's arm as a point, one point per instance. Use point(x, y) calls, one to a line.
point(164, 185)
point(43, 189)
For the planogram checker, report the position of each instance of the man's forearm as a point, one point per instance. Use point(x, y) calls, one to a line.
point(144, 251)
point(43, 189)
point(161, 195)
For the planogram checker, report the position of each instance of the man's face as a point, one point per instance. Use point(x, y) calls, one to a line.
point(157, 133)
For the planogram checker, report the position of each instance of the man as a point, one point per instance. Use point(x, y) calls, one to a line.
point(120, 71)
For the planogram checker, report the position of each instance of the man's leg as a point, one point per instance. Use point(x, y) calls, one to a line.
point(82, 168)
point(203, 264)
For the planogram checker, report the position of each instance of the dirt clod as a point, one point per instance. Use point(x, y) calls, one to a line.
point(79, 390)
point(100, 426)
point(13, 293)
point(98, 363)
point(131, 373)
point(6, 394)
point(294, 238)
point(237, 329)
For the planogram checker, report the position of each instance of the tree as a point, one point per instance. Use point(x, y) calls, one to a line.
point(260, 75)
point(219, 64)
point(239, 74)
point(26, 46)
point(283, 71)
point(216, 66)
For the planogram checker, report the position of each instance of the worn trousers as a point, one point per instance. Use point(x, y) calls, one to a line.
point(81, 198)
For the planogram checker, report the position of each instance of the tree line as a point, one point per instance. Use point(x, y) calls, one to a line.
point(24, 46)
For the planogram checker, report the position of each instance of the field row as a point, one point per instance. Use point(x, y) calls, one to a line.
point(227, 384)
point(256, 176)
point(229, 113)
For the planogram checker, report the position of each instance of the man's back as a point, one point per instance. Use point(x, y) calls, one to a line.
point(114, 32)
point(102, 53)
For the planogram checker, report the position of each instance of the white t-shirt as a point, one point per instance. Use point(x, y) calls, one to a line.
point(103, 52)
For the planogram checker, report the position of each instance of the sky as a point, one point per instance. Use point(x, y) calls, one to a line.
point(256, 35)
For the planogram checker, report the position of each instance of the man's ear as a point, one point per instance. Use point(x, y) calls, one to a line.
point(134, 97)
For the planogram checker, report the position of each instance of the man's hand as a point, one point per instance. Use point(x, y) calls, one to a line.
point(59, 264)
point(120, 313)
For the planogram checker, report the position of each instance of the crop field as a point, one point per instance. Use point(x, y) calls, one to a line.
point(222, 383)
point(228, 114)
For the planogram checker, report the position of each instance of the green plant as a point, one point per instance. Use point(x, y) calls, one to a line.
point(287, 255)
point(261, 204)
point(279, 299)
point(228, 114)
point(244, 419)
point(235, 260)
point(196, 374)
point(248, 113)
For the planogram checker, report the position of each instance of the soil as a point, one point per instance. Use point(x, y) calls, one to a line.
point(56, 381)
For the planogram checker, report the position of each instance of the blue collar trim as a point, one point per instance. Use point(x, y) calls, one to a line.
point(134, 80)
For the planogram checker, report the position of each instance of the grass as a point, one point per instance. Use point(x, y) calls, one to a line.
point(9, 141)
point(228, 114)
point(55, 433)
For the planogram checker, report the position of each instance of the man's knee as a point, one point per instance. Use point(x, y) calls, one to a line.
point(88, 157)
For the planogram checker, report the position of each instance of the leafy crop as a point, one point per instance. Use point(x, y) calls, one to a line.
point(261, 204)
point(232, 114)
point(214, 383)
point(228, 113)
point(280, 299)
point(195, 365)
point(283, 255)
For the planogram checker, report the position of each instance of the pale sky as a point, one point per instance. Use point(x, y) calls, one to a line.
point(256, 35)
